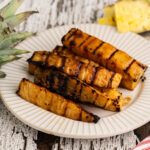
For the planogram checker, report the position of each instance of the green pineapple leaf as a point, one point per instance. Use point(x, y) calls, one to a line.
point(7, 58)
point(11, 8)
point(12, 52)
point(2, 74)
point(15, 20)
point(11, 39)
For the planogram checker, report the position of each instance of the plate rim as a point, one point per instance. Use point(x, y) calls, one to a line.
point(71, 135)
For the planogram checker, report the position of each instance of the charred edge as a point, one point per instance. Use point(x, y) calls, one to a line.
point(65, 110)
point(63, 38)
point(93, 91)
point(30, 59)
point(117, 101)
point(18, 90)
point(143, 78)
point(61, 89)
point(97, 47)
point(51, 81)
point(80, 92)
point(74, 96)
point(79, 66)
point(56, 50)
point(94, 74)
point(46, 60)
point(37, 63)
point(72, 43)
point(142, 66)
point(57, 47)
point(110, 81)
point(74, 32)
point(64, 47)
point(134, 80)
point(117, 109)
point(96, 118)
point(80, 116)
point(62, 83)
point(127, 68)
point(84, 40)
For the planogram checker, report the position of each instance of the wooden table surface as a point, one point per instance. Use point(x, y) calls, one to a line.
point(17, 136)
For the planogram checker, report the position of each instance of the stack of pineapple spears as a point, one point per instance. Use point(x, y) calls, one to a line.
point(85, 69)
point(8, 36)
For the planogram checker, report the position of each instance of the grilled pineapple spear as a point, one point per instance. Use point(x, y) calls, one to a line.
point(55, 103)
point(106, 55)
point(8, 37)
point(96, 76)
point(63, 51)
point(76, 90)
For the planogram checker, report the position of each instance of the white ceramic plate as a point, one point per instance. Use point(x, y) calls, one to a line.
point(136, 114)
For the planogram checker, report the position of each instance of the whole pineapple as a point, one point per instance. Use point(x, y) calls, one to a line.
point(8, 36)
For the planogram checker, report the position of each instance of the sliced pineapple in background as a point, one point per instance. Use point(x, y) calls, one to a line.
point(109, 18)
point(128, 15)
point(132, 16)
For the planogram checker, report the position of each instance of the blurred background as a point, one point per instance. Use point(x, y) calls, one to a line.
point(59, 12)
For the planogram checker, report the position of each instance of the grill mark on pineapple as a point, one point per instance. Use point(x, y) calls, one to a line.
point(79, 68)
point(84, 40)
point(111, 56)
point(142, 66)
point(127, 68)
point(88, 43)
point(80, 116)
point(94, 74)
point(110, 80)
point(46, 60)
point(65, 109)
point(63, 63)
point(71, 34)
point(61, 86)
point(80, 92)
point(76, 97)
point(57, 50)
point(30, 59)
point(98, 47)
point(51, 81)
point(96, 118)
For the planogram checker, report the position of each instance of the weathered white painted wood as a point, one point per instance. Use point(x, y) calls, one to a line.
point(14, 135)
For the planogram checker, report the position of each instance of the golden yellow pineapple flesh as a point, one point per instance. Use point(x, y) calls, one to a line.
point(109, 18)
point(128, 15)
point(132, 16)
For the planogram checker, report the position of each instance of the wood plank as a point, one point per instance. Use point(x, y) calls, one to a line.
point(143, 131)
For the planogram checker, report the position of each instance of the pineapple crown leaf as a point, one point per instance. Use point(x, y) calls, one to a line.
point(11, 8)
point(8, 36)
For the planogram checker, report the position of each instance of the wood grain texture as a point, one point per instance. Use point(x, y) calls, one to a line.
point(15, 135)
